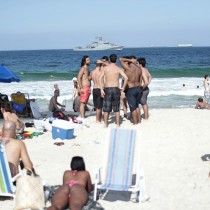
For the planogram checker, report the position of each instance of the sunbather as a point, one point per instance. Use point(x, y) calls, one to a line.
point(9, 115)
point(15, 149)
point(76, 186)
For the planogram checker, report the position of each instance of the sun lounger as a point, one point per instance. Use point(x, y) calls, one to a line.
point(6, 181)
point(117, 170)
point(19, 103)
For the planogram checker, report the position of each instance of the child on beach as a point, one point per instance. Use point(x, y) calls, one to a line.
point(73, 194)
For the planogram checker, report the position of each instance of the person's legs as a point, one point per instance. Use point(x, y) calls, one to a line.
point(138, 111)
point(117, 116)
point(134, 116)
point(82, 109)
point(84, 96)
point(78, 198)
point(106, 117)
point(143, 102)
point(60, 199)
point(146, 114)
point(98, 115)
point(124, 104)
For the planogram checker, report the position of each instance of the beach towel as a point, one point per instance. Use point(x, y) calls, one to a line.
point(28, 135)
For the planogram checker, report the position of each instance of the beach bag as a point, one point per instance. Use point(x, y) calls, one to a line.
point(60, 115)
point(29, 192)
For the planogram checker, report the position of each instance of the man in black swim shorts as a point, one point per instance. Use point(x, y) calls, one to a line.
point(109, 84)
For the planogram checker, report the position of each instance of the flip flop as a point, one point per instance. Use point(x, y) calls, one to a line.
point(59, 143)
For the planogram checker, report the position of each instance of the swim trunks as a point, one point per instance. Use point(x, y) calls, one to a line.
point(207, 94)
point(145, 93)
point(85, 95)
point(97, 99)
point(133, 96)
point(111, 99)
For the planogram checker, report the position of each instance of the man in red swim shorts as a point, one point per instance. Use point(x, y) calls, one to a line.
point(84, 84)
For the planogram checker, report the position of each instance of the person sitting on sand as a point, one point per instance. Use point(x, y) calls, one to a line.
point(9, 115)
point(53, 106)
point(73, 194)
point(76, 88)
point(201, 104)
point(15, 149)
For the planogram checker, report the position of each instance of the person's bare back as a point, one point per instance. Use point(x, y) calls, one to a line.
point(10, 116)
point(95, 76)
point(112, 73)
point(132, 71)
point(15, 149)
point(13, 118)
point(146, 77)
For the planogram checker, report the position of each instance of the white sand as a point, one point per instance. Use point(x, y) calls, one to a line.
point(172, 144)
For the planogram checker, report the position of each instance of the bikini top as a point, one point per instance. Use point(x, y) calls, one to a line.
point(73, 182)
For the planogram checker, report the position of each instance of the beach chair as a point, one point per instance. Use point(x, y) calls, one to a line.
point(6, 181)
point(117, 170)
point(19, 103)
point(35, 110)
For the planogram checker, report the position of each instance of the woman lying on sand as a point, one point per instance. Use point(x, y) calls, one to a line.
point(76, 186)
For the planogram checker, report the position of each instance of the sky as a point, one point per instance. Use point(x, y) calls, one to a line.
point(65, 24)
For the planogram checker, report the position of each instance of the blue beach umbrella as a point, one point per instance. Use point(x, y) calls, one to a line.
point(7, 75)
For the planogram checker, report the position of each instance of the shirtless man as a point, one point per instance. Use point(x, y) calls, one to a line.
point(201, 104)
point(15, 149)
point(111, 92)
point(97, 99)
point(206, 87)
point(133, 91)
point(10, 116)
point(84, 84)
point(54, 104)
point(105, 60)
point(146, 79)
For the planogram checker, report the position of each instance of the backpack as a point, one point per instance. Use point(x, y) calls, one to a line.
point(60, 115)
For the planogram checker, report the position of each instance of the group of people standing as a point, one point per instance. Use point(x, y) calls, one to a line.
point(108, 92)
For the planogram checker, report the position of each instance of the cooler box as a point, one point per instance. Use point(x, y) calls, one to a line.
point(62, 129)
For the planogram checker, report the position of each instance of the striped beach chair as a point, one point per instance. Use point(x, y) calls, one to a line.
point(117, 170)
point(6, 181)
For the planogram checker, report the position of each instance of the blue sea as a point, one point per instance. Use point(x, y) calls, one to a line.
point(170, 67)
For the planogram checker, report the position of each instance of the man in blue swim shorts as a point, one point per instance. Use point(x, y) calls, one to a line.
point(133, 91)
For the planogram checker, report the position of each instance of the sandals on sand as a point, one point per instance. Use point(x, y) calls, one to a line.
point(59, 143)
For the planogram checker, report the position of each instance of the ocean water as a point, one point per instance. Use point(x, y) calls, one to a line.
point(39, 70)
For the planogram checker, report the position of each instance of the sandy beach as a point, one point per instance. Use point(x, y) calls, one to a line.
point(174, 143)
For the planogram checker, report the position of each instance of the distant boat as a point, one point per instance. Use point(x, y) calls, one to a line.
point(184, 45)
point(100, 44)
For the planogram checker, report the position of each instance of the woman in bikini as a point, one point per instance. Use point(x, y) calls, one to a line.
point(76, 186)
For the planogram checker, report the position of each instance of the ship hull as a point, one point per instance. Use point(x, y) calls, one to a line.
point(98, 49)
